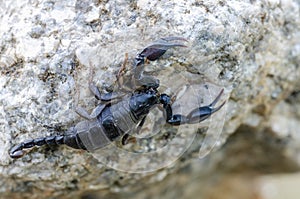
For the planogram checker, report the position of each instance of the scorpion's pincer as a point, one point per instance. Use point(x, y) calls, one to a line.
point(159, 47)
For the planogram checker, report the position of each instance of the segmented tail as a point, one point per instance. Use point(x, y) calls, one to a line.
point(71, 140)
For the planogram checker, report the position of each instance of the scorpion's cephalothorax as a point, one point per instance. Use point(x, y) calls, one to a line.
point(141, 103)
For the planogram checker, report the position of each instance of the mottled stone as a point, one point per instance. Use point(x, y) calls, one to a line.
point(51, 50)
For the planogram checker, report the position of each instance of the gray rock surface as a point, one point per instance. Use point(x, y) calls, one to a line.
point(49, 49)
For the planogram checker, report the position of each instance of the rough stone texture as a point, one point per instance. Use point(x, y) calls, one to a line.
point(49, 48)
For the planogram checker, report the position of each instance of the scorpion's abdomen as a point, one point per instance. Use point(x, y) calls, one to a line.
point(123, 116)
point(113, 122)
point(92, 134)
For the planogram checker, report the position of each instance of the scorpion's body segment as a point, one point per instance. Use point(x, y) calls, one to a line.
point(120, 115)
point(112, 123)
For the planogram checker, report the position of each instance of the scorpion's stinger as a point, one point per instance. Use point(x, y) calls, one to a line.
point(16, 152)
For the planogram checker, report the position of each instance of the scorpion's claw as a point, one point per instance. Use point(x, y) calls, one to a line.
point(159, 47)
point(199, 114)
point(202, 113)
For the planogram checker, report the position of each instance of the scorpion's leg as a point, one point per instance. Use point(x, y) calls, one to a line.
point(105, 97)
point(121, 72)
point(153, 52)
point(94, 89)
point(125, 139)
point(197, 115)
point(128, 138)
point(83, 113)
point(137, 130)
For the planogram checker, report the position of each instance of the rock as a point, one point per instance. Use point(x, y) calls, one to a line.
point(278, 186)
point(50, 51)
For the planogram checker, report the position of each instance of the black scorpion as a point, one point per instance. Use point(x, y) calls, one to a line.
point(116, 116)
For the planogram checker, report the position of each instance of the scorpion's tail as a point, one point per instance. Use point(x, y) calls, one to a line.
point(71, 140)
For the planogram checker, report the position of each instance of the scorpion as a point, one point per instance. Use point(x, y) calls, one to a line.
point(116, 117)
